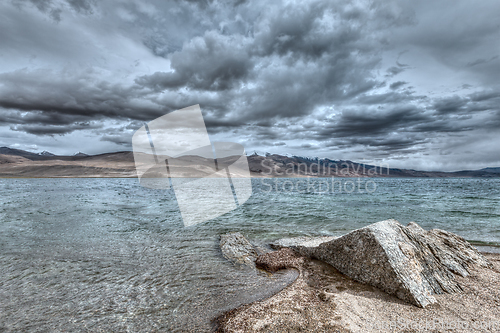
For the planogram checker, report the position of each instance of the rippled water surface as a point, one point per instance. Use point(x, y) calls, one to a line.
point(108, 255)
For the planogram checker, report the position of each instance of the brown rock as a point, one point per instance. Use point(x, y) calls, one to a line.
point(282, 259)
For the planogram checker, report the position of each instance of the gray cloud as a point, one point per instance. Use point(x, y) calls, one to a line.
point(368, 122)
point(54, 9)
point(453, 104)
point(481, 61)
point(397, 84)
point(212, 62)
point(392, 71)
point(54, 129)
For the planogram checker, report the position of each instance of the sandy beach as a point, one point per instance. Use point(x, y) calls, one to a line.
point(322, 299)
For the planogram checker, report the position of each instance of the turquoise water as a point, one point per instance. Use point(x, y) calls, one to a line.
point(106, 254)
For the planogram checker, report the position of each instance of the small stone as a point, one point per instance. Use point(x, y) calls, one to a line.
point(237, 249)
point(325, 296)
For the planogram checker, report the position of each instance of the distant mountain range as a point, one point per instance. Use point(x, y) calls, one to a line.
point(283, 166)
point(20, 163)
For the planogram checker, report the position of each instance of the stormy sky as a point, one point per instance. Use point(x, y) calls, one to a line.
point(411, 83)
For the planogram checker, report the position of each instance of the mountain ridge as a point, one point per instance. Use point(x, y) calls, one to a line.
point(20, 163)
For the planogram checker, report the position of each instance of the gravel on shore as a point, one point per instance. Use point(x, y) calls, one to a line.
point(323, 300)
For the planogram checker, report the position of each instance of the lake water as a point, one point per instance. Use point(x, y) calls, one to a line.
point(108, 255)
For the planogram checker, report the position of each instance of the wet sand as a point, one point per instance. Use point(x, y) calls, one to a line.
point(324, 300)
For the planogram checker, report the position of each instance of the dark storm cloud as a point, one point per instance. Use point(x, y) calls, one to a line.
point(44, 123)
point(54, 129)
point(392, 71)
point(373, 121)
point(213, 62)
point(295, 59)
point(481, 61)
point(453, 104)
point(321, 72)
point(388, 98)
point(54, 96)
point(54, 8)
point(397, 84)
point(485, 96)
point(384, 143)
point(372, 125)
point(82, 6)
point(476, 102)
point(441, 126)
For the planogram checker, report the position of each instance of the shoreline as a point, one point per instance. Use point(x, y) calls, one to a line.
point(321, 299)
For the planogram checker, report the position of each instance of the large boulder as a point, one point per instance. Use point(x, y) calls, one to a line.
point(237, 249)
point(408, 262)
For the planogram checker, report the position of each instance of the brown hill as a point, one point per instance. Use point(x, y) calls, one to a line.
point(15, 163)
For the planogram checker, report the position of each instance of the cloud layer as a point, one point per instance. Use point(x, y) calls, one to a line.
point(413, 84)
